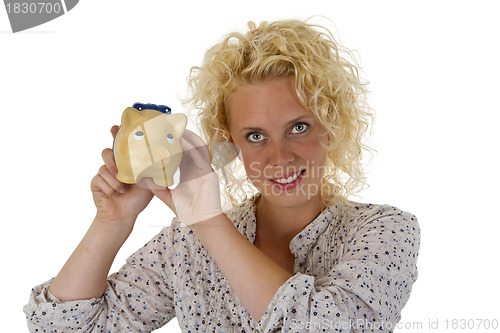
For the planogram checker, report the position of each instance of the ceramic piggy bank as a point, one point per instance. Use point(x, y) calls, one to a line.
point(147, 144)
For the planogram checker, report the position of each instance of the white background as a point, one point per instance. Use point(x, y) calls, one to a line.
point(434, 72)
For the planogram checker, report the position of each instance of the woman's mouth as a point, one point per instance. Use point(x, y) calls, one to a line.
point(289, 181)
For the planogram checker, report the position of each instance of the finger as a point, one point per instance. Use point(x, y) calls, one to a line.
point(114, 129)
point(98, 184)
point(193, 164)
point(200, 155)
point(109, 160)
point(111, 180)
point(197, 143)
point(193, 138)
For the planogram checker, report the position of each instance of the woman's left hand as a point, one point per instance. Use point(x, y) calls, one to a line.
point(197, 197)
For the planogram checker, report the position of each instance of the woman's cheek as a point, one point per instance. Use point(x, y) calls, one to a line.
point(254, 169)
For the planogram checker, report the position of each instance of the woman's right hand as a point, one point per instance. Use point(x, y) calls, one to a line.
point(84, 276)
point(115, 201)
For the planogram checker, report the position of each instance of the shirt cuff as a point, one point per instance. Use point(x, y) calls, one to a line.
point(46, 311)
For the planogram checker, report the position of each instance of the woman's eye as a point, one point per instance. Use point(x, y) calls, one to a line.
point(300, 128)
point(255, 137)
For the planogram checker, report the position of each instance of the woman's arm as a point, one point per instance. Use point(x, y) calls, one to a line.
point(85, 273)
point(139, 297)
point(254, 276)
point(118, 205)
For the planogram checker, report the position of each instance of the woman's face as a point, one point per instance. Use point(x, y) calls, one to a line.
point(280, 142)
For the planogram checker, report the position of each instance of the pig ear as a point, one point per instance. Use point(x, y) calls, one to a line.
point(179, 121)
point(129, 119)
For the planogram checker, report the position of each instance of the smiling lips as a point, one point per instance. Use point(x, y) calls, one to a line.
point(288, 182)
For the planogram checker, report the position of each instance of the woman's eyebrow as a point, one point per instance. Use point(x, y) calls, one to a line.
point(258, 129)
point(251, 129)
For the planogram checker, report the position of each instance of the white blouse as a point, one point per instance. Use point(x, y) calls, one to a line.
point(354, 270)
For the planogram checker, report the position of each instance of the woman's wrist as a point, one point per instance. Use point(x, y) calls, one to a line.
point(121, 227)
point(210, 225)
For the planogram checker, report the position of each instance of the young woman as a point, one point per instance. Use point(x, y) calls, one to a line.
point(293, 255)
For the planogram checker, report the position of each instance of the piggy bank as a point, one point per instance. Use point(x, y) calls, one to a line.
point(147, 144)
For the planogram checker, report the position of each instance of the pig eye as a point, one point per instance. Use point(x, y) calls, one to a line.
point(139, 135)
point(170, 138)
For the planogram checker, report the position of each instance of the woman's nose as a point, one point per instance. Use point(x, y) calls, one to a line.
point(280, 153)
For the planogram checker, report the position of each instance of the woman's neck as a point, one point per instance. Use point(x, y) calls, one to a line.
point(282, 224)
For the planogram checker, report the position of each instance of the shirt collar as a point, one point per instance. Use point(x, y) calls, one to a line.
point(300, 245)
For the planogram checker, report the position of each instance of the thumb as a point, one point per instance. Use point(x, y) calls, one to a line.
point(165, 195)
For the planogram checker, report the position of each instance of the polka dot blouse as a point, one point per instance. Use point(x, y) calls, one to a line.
point(354, 270)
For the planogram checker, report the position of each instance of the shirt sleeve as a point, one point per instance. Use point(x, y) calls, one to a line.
point(364, 291)
point(138, 298)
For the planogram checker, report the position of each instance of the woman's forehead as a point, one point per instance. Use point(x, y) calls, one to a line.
point(267, 102)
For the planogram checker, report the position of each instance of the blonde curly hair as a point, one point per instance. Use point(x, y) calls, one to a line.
point(326, 84)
